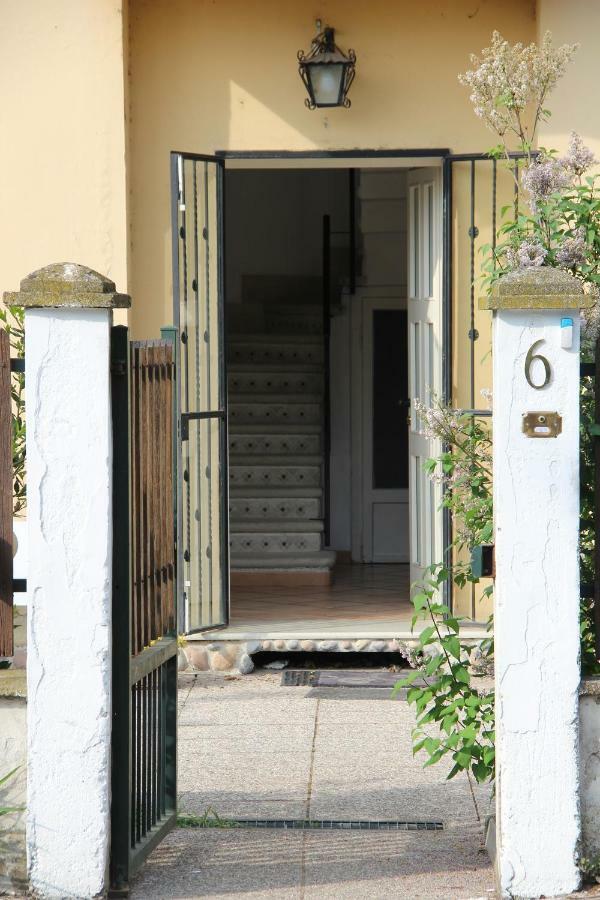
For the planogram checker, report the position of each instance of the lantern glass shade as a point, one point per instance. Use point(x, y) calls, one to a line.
point(327, 82)
point(327, 72)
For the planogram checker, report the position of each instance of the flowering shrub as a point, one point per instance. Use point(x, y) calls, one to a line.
point(447, 694)
point(510, 85)
point(13, 322)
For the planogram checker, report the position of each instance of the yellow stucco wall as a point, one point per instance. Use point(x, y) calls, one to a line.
point(573, 104)
point(207, 76)
point(62, 145)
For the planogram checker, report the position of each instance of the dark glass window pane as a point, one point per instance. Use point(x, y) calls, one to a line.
point(390, 385)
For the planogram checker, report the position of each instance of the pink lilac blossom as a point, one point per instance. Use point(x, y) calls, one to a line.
point(579, 158)
point(531, 253)
point(572, 250)
point(543, 178)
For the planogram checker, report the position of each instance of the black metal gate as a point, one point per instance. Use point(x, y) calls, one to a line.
point(144, 693)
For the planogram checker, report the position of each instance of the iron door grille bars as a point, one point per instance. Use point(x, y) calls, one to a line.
point(198, 300)
point(143, 773)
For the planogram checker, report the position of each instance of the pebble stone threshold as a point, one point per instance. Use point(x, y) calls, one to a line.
point(236, 656)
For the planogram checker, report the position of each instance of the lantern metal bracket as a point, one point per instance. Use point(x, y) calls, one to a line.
point(324, 51)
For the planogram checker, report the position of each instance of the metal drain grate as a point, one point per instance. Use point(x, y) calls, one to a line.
point(312, 824)
point(341, 824)
point(299, 678)
point(349, 678)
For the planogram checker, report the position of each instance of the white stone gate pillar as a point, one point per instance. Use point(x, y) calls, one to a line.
point(536, 625)
point(68, 314)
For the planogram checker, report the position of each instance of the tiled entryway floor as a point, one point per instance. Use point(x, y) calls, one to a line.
point(249, 747)
point(363, 601)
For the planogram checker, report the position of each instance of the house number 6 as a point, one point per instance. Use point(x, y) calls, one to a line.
point(528, 361)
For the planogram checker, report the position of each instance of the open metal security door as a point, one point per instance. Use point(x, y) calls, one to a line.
point(202, 527)
point(425, 360)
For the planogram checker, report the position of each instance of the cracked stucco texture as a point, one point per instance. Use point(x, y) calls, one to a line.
point(69, 492)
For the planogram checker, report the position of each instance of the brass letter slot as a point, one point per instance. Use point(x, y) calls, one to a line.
point(542, 424)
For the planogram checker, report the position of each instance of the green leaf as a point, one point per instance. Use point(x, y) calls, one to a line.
point(452, 645)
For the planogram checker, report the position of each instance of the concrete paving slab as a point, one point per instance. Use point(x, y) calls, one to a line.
point(244, 737)
point(244, 784)
point(210, 710)
point(347, 710)
point(236, 863)
point(223, 864)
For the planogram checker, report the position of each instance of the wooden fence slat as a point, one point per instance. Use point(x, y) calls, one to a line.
point(153, 525)
point(6, 493)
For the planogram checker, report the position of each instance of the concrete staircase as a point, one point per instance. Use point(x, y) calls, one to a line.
point(275, 453)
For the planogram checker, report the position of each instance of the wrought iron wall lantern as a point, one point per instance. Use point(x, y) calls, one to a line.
point(326, 72)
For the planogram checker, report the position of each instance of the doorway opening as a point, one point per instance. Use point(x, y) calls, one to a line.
point(320, 310)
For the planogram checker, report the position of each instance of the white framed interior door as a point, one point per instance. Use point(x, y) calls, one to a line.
point(385, 438)
point(425, 360)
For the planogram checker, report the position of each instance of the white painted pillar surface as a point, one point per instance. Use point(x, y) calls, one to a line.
point(536, 508)
point(69, 483)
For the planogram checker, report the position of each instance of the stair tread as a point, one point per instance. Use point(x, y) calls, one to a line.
point(274, 367)
point(306, 559)
point(266, 428)
point(247, 459)
point(274, 338)
point(247, 398)
point(276, 526)
point(282, 491)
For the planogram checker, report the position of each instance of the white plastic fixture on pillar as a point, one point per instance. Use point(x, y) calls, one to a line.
point(536, 622)
point(68, 312)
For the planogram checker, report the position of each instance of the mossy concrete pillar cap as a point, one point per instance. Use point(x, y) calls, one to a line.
point(537, 287)
point(67, 284)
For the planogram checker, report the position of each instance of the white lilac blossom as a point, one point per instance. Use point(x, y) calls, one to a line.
point(572, 250)
point(487, 395)
point(543, 178)
point(579, 158)
point(507, 78)
point(590, 320)
point(530, 253)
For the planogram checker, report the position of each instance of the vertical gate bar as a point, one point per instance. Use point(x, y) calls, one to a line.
point(154, 748)
point(162, 686)
point(133, 755)
point(177, 355)
point(148, 753)
point(171, 734)
point(472, 292)
point(6, 505)
point(155, 455)
point(140, 758)
point(209, 341)
point(494, 204)
point(223, 389)
point(197, 553)
point(169, 334)
point(121, 768)
point(136, 625)
point(142, 719)
point(184, 375)
point(447, 272)
point(164, 441)
point(597, 505)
